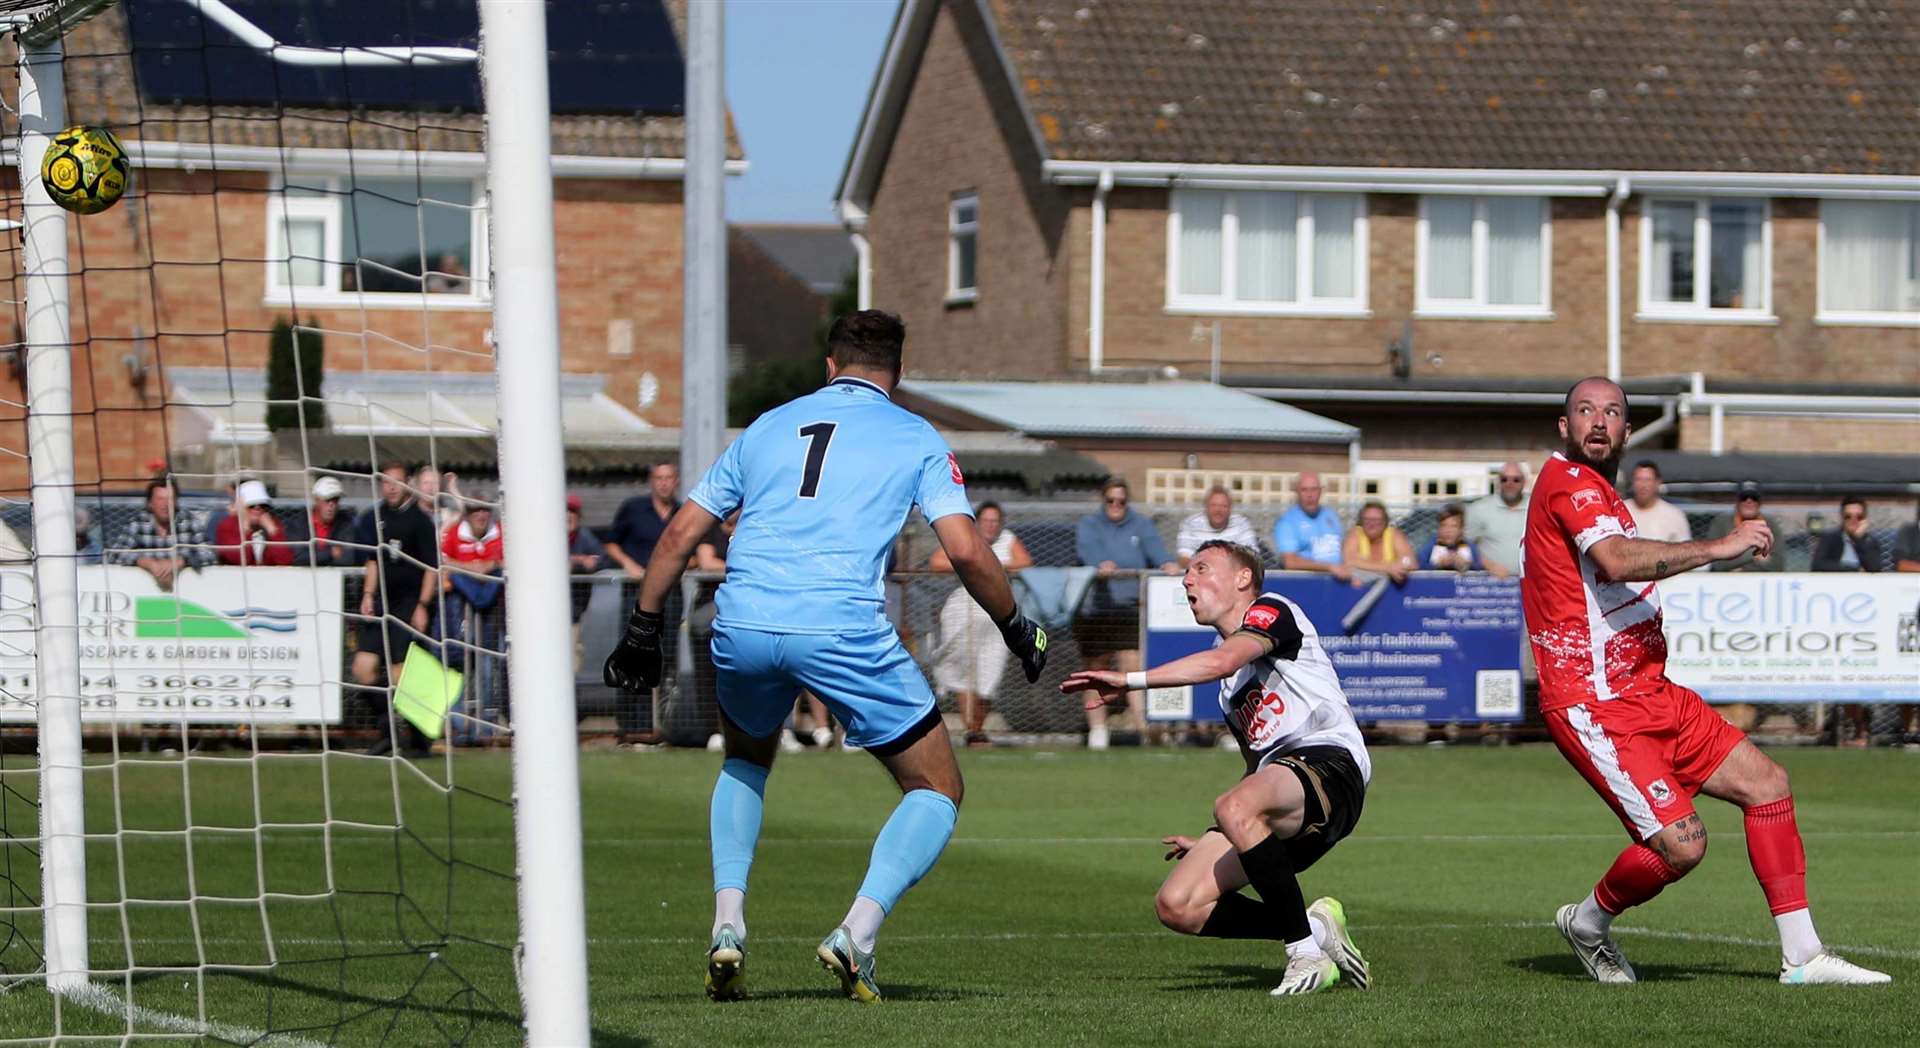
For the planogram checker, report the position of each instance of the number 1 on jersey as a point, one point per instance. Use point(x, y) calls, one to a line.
point(817, 435)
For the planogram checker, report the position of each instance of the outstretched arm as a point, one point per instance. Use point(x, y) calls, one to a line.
point(689, 525)
point(980, 572)
point(1200, 667)
point(1624, 559)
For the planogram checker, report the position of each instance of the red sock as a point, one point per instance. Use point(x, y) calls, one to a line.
point(1779, 860)
point(1636, 876)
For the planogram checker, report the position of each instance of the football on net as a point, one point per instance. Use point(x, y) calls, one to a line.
point(85, 169)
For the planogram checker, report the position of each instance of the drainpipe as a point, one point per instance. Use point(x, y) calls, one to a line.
point(854, 221)
point(1669, 413)
point(1097, 276)
point(1621, 189)
point(863, 268)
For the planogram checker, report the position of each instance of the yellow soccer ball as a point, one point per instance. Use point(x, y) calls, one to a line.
point(85, 169)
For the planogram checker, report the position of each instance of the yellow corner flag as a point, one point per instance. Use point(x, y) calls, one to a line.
point(425, 691)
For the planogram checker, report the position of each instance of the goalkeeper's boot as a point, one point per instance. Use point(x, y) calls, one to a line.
point(1830, 970)
point(840, 956)
point(1308, 974)
point(726, 966)
point(1602, 959)
point(1339, 945)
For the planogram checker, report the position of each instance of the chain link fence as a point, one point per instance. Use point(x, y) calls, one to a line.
point(948, 635)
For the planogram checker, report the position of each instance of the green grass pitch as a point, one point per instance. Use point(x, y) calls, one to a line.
point(1037, 927)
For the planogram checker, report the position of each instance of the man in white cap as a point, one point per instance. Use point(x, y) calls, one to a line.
point(317, 535)
point(253, 535)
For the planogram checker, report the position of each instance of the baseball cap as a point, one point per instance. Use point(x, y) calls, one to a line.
point(254, 493)
point(573, 502)
point(326, 488)
point(1748, 489)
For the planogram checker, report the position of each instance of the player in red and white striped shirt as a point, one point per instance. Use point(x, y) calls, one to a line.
point(1645, 744)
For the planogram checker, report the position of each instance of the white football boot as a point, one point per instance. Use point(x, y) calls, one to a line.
point(1602, 960)
point(1308, 974)
point(1828, 969)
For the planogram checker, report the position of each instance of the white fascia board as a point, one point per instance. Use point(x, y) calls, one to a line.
point(885, 100)
point(1478, 180)
point(194, 155)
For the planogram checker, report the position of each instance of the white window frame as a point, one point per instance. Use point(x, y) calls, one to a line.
point(1854, 317)
point(1477, 307)
point(955, 230)
point(331, 208)
point(1697, 311)
point(1305, 304)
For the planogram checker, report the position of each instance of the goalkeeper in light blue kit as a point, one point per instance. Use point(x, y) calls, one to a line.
point(824, 484)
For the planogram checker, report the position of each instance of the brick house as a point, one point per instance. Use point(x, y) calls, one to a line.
point(1425, 220)
point(249, 206)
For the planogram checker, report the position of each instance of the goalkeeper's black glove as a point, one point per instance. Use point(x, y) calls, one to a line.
point(635, 662)
point(1027, 641)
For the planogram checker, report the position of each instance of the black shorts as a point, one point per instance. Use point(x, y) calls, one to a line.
point(1335, 792)
point(383, 635)
point(1103, 629)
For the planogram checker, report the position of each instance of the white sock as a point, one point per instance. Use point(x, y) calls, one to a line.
point(1799, 943)
point(1097, 737)
point(730, 907)
point(1322, 935)
point(863, 923)
point(1590, 920)
point(1304, 948)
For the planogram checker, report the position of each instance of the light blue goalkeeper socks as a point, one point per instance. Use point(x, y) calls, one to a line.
point(734, 821)
point(908, 846)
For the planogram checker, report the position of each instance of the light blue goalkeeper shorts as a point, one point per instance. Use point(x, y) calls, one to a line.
point(866, 678)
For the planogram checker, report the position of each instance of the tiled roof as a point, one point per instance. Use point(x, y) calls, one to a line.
point(1779, 86)
point(820, 255)
point(1187, 410)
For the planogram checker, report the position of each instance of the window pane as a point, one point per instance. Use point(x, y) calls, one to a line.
point(1513, 251)
point(963, 255)
point(394, 238)
point(1671, 268)
point(1333, 247)
point(306, 244)
point(1737, 263)
point(1868, 263)
point(964, 211)
point(1200, 243)
point(1265, 247)
point(1450, 248)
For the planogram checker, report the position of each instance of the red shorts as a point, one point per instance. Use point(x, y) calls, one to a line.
point(1646, 756)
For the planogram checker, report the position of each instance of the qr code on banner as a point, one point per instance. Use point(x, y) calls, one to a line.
point(1496, 693)
point(1170, 703)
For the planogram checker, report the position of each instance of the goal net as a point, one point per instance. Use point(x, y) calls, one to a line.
point(258, 731)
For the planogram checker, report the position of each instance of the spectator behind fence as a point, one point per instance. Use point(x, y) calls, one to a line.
point(253, 535)
point(1496, 523)
point(1450, 550)
point(321, 536)
point(396, 601)
point(471, 554)
point(161, 541)
point(1119, 543)
point(86, 546)
point(439, 495)
point(1851, 546)
point(1307, 537)
point(1906, 557)
point(1375, 547)
point(638, 522)
point(971, 658)
point(1654, 517)
point(1746, 506)
point(585, 556)
point(1218, 524)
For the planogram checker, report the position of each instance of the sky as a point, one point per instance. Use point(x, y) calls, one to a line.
point(798, 73)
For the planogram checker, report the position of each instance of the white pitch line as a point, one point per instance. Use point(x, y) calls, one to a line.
point(108, 1003)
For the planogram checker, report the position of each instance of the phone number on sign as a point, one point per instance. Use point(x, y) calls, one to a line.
point(147, 691)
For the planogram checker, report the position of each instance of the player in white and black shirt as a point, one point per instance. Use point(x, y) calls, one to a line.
point(1307, 772)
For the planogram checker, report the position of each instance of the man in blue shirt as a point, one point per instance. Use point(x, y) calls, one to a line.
point(1308, 535)
point(638, 522)
point(823, 485)
point(1120, 544)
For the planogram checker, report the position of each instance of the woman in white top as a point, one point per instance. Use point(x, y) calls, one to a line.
point(970, 657)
